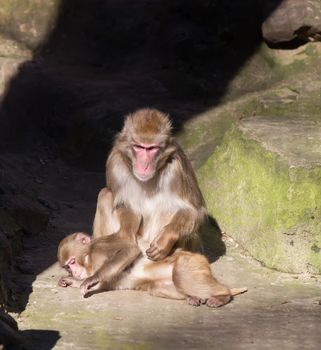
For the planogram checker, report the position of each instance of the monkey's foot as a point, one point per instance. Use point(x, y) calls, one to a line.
point(217, 301)
point(195, 301)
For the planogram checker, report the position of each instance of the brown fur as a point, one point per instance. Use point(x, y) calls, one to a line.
point(71, 243)
point(184, 275)
point(145, 125)
point(170, 203)
point(100, 260)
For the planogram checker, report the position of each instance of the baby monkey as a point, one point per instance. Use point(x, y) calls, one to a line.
point(115, 262)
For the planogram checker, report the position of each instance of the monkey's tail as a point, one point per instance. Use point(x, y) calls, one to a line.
point(237, 291)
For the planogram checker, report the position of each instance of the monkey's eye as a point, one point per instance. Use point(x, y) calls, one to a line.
point(153, 148)
point(137, 147)
point(71, 261)
point(67, 268)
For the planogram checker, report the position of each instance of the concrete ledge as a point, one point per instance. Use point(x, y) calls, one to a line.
point(263, 186)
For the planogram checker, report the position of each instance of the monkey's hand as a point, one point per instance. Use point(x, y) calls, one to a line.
point(88, 284)
point(162, 245)
point(67, 281)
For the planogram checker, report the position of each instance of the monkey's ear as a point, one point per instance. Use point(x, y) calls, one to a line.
point(83, 238)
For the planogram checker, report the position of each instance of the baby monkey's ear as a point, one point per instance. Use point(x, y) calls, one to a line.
point(83, 238)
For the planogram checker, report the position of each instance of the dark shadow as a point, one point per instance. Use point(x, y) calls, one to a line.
point(106, 58)
point(40, 339)
point(13, 339)
point(211, 237)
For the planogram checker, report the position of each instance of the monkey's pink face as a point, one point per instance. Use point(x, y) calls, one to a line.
point(75, 268)
point(144, 166)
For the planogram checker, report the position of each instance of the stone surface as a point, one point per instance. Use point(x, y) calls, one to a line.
point(276, 310)
point(297, 141)
point(28, 21)
point(292, 20)
point(262, 185)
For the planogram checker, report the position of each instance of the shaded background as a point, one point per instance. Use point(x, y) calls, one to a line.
point(103, 59)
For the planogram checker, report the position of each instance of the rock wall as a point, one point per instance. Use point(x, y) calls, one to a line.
point(28, 22)
point(265, 191)
point(293, 22)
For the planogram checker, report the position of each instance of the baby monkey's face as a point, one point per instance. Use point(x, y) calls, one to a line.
point(74, 267)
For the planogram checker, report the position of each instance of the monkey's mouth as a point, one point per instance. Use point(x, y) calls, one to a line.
point(81, 276)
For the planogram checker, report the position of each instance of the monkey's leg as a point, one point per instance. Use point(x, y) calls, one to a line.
point(106, 221)
point(129, 223)
point(192, 276)
point(163, 288)
point(158, 279)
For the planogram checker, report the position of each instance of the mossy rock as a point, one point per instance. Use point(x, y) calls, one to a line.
point(28, 22)
point(263, 186)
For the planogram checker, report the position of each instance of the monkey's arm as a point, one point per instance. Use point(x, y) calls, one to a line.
point(183, 223)
point(112, 268)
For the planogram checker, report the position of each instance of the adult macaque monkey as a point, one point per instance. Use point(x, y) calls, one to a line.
point(149, 175)
point(183, 275)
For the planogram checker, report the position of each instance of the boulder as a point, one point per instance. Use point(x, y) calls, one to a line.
point(28, 22)
point(262, 185)
point(293, 21)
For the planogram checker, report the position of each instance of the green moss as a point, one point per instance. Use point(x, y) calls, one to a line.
point(101, 339)
point(310, 50)
point(273, 211)
point(202, 135)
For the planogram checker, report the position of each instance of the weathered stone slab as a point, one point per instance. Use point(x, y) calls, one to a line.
point(263, 186)
point(293, 20)
point(28, 21)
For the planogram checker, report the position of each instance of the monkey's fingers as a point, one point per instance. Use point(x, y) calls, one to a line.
point(152, 250)
point(154, 253)
point(64, 282)
point(87, 285)
point(83, 290)
point(155, 257)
